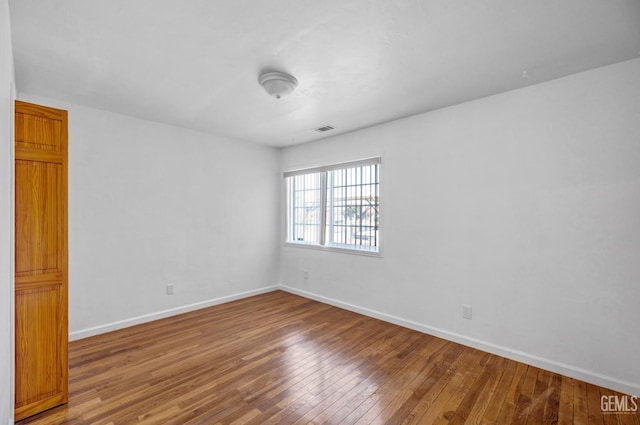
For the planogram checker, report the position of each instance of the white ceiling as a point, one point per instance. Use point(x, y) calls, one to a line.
point(195, 63)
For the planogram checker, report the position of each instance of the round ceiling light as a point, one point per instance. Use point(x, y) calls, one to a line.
point(278, 84)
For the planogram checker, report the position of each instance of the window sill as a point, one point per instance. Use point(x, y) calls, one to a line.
point(336, 249)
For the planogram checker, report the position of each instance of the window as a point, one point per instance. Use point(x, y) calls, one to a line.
point(336, 206)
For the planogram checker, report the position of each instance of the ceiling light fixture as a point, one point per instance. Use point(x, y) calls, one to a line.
point(278, 84)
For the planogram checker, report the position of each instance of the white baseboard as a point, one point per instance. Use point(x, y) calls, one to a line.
point(543, 363)
point(121, 324)
point(547, 364)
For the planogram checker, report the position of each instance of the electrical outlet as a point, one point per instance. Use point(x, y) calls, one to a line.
point(170, 288)
point(466, 312)
point(305, 274)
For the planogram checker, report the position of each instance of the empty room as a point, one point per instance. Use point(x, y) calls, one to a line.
point(336, 212)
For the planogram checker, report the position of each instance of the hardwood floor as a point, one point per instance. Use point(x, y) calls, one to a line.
point(281, 359)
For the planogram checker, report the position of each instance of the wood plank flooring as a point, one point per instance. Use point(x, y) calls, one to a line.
point(281, 359)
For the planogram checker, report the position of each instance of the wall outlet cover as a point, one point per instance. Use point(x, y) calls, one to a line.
point(466, 312)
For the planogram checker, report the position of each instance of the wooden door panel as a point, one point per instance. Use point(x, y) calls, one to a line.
point(39, 129)
point(38, 343)
point(41, 324)
point(38, 230)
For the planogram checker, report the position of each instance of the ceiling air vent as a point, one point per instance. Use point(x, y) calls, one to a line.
point(323, 129)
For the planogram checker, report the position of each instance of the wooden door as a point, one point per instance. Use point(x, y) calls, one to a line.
point(41, 259)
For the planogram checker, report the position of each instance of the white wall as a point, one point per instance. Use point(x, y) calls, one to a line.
point(524, 205)
point(151, 204)
point(6, 216)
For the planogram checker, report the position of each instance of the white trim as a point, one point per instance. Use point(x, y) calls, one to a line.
point(331, 248)
point(121, 324)
point(334, 166)
point(625, 387)
point(12, 242)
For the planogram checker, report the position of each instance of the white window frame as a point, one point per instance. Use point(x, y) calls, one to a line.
point(325, 199)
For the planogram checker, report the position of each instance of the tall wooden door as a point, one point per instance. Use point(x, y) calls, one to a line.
point(41, 259)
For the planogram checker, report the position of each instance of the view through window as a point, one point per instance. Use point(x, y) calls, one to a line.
point(336, 206)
